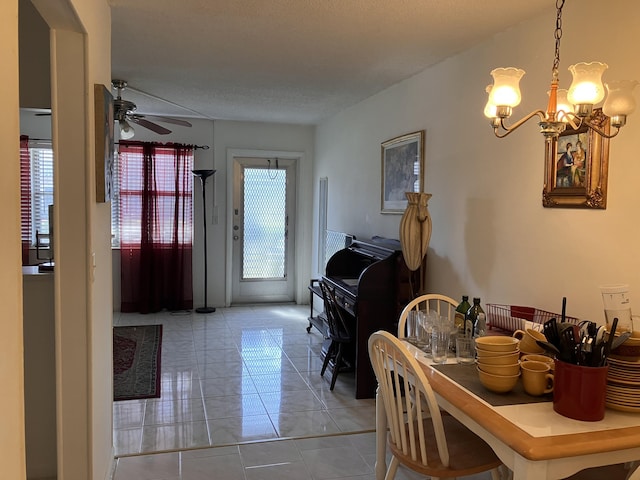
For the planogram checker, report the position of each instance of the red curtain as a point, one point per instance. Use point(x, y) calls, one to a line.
point(25, 197)
point(156, 228)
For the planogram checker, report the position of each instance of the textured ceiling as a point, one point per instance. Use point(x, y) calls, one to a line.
point(289, 61)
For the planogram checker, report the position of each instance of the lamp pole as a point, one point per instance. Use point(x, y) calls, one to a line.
point(203, 175)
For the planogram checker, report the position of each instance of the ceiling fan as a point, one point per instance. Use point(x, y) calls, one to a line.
point(124, 113)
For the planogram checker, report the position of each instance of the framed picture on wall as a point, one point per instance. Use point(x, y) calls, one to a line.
point(402, 170)
point(104, 118)
point(576, 167)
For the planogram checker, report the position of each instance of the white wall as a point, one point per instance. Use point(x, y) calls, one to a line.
point(12, 451)
point(221, 136)
point(491, 236)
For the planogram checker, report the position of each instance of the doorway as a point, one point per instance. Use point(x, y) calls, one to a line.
point(263, 233)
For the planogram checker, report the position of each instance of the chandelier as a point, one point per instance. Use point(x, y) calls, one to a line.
point(566, 107)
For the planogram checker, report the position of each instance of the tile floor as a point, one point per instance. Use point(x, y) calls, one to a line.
point(242, 398)
point(240, 374)
point(337, 457)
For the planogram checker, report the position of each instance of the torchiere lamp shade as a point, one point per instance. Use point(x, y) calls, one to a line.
point(204, 174)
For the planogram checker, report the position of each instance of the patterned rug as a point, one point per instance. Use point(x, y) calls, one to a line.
point(136, 362)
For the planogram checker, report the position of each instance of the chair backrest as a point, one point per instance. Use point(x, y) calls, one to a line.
point(445, 306)
point(338, 328)
point(397, 372)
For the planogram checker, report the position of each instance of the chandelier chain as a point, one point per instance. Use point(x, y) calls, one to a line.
point(558, 36)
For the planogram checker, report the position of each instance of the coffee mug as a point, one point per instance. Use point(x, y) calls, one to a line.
point(534, 357)
point(536, 377)
point(528, 340)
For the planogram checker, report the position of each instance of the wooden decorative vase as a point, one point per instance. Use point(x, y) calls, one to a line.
point(415, 229)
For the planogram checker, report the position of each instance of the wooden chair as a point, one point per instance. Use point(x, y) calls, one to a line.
point(432, 301)
point(338, 332)
point(419, 436)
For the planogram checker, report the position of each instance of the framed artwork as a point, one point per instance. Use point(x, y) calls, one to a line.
point(105, 125)
point(402, 170)
point(577, 166)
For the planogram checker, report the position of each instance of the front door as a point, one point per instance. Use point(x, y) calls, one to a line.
point(263, 230)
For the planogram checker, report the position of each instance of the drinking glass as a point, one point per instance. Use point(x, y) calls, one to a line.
point(465, 349)
point(440, 337)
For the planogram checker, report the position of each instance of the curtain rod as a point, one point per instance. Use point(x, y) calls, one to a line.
point(195, 147)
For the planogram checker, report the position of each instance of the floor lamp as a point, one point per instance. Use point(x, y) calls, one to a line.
point(203, 175)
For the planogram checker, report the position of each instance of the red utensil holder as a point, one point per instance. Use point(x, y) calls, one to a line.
point(579, 392)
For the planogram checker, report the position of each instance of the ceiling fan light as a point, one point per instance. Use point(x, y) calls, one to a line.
point(506, 87)
point(587, 87)
point(126, 130)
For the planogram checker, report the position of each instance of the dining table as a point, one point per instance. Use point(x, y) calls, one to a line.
point(525, 432)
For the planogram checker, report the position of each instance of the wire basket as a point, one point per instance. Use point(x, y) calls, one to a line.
point(515, 317)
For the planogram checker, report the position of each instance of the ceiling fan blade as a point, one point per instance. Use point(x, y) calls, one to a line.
point(174, 121)
point(147, 124)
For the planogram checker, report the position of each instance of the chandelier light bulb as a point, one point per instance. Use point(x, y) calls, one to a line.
point(489, 109)
point(506, 87)
point(587, 87)
point(563, 106)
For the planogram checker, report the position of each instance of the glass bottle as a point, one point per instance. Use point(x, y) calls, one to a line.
point(461, 311)
point(476, 319)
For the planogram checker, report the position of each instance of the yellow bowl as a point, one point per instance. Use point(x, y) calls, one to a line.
point(482, 353)
point(505, 370)
point(497, 343)
point(498, 383)
point(502, 359)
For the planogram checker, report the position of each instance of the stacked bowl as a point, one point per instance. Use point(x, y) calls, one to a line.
point(498, 365)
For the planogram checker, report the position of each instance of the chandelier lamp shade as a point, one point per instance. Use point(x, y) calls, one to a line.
point(571, 107)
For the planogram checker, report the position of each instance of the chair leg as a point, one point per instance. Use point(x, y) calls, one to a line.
point(381, 437)
point(496, 474)
point(393, 468)
point(505, 473)
point(327, 357)
point(336, 366)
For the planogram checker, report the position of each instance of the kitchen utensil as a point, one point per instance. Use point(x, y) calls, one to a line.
point(607, 348)
point(549, 347)
point(550, 330)
point(620, 339)
point(568, 348)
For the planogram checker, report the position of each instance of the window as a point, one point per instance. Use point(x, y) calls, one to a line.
point(36, 172)
point(41, 191)
point(127, 188)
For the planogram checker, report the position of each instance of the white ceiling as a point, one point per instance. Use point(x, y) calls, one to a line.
point(289, 61)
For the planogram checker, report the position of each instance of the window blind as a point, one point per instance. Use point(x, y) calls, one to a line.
point(25, 190)
point(41, 190)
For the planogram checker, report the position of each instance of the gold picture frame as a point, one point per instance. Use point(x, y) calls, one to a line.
point(402, 170)
point(105, 125)
point(578, 179)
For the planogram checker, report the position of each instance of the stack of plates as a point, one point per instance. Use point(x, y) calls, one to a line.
point(623, 385)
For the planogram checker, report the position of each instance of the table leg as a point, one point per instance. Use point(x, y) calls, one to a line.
point(381, 437)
